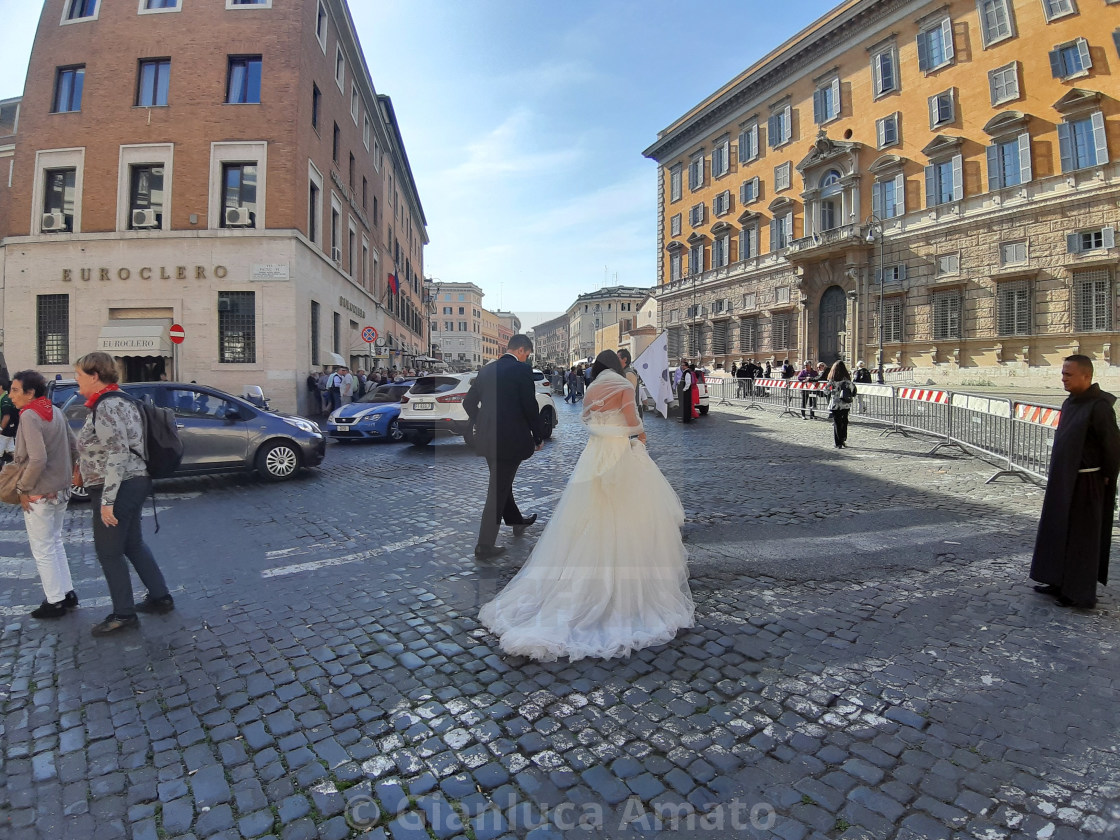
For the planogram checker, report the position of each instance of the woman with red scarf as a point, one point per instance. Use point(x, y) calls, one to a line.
point(45, 449)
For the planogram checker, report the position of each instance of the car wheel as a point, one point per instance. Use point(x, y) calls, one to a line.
point(278, 460)
point(395, 433)
point(470, 435)
point(548, 422)
point(703, 409)
point(421, 438)
point(79, 494)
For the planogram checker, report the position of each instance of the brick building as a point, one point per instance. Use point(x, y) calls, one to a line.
point(958, 152)
point(227, 166)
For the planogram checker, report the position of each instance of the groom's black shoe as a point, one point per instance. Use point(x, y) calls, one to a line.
point(518, 530)
point(488, 552)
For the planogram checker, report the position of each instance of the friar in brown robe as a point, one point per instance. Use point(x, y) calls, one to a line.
point(1075, 530)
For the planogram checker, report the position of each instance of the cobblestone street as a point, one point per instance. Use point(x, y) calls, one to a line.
point(869, 661)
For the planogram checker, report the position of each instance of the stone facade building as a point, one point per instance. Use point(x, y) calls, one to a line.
point(457, 325)
point(246, 182)
point(593, 311)
point(949, 164)
point(550, 342)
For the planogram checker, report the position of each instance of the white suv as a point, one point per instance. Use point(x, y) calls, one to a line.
point(435, 404)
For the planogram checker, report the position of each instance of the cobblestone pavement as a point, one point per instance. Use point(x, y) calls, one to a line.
point(869, 661)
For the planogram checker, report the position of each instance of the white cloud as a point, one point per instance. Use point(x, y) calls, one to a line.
point(512, 148)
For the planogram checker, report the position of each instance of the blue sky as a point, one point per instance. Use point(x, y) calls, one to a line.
point(525, 124)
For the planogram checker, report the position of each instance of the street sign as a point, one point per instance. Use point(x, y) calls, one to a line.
point(177, 334)
point(369, 335)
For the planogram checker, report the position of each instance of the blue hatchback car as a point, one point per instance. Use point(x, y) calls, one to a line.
point(372, 417)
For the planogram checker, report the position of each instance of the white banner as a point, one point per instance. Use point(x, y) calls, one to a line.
point(653, 368)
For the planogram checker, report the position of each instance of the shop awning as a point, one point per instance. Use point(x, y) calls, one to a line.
point(134, 340)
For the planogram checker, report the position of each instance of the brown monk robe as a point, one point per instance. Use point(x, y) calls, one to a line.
point(1075, 531)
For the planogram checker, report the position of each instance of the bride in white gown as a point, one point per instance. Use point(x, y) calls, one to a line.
point(608, 575)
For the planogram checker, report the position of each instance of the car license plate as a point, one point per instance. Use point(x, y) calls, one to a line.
point(340, 428)
point(422, 406)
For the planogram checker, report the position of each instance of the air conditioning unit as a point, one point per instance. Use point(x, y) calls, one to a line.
point(54, 221)
point(144, 218)
point(238, 217)
point(336, 255)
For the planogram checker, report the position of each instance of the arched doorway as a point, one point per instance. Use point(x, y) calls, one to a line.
point(833, 323)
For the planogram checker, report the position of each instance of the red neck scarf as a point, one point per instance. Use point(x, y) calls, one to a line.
point(92, 400)
point(41, 406)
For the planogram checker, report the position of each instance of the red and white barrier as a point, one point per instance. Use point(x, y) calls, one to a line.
point(923, 395)
point(1040, 415)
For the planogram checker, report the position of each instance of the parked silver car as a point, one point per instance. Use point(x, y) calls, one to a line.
point(224, 433)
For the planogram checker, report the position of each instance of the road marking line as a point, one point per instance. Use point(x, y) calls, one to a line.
point(355, 558)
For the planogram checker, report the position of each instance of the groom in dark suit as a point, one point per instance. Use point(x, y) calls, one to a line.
point(502, 403)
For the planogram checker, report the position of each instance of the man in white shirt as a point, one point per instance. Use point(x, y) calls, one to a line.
point(347, 385)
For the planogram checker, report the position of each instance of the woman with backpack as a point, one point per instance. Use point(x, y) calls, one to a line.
point(840, 392)
point(111, 466)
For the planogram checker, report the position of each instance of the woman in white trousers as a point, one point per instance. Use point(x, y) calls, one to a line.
point(46, 449)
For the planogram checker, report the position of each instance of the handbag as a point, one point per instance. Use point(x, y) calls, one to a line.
point(9, 478)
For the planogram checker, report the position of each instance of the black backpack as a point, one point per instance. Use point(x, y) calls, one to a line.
point(163, 450)
point(847, 391)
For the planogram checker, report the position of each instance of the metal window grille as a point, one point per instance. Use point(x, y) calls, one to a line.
point(694, 339)
point(719, 338)
point(946, 315)
point(237, 327)
point(748, 335)
point(314, 332)
point(1092, 300)
point(674, 343)
point(53, 321)
point(1014, 308)
point(892, 321)
point(779, 338)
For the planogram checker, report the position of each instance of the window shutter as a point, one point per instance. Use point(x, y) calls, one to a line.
point(958, 177)
point(818, 106)
point(901, 272)
point(787, 123)
point(995, 173)
point(1065, 146)
point(877, 73)
point(993, 87)
point(877, 199)
point(1025, 174)
point(756, 191)
point(923, 50)
point(743, 147)
point(774, 223)
point(743, 193)
point(1083, 51)
point(1108, 237)
point(1073, 243)
point(931, 186)
point(789, 227)
point(932, 112)
point(899, 194)
point(947, 38)
point(1116, 39)
point(1056, 69)
point(881, 133)
point(836, 96)
point(774, 126)
point(1100, 139)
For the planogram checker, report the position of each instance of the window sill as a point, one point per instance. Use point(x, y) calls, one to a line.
point(931, 70)
point(138, 107)
point(1080, 74)
point(1071, 13)
point(885, 93)
point(996, 42)
point(241, 103)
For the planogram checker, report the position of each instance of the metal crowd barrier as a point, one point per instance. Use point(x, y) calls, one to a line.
point(1016, 436)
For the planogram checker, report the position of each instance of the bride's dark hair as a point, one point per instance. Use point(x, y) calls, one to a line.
point(607, 360)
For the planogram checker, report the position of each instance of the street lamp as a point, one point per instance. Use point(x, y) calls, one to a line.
point(875, 231)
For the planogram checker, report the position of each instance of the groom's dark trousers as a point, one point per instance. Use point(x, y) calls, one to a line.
point(502, 404)
point(499, 500)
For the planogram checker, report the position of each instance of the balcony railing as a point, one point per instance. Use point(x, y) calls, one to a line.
point(837, 237)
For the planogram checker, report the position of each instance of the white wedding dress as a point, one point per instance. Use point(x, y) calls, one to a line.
point(608, 575)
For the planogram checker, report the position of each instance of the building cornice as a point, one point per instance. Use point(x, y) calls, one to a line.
point(759, 83)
